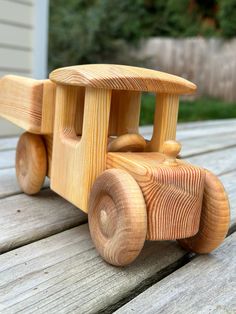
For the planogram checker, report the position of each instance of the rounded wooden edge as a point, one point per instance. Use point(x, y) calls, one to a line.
point(122, 77)
point(171, 150)
point(215, 218)
point(127, 143)
point(117, 217)
point(31, 162)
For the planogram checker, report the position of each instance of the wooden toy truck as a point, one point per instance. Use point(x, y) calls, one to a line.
point(82, 132)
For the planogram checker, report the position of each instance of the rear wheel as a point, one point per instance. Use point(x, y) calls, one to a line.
point(117, 217)
point(31, 162)
point(215, 218)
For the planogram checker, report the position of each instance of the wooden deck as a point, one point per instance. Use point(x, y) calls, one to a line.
point(49, 265)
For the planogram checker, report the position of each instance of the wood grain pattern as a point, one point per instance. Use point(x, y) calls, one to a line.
point(56, 273)
point(113, 76)
point(117, 217)
point(205, 285)
point(48, 107)
point(165, 121)
point(173, 195)
point(31, 163)
point(21, 102)
point(28, 103)
point(51, 275)
point(25, 219)
point(64, 273)
point(215, 217)
point(77, 161)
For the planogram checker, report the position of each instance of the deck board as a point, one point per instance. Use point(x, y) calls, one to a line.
point(65, 277)
point(24, 218)
point(199, 129)
point(205, 285)
point(9, 185)
point(63, 273)
point(8, 143)
point(50, 269)
point(7, 159)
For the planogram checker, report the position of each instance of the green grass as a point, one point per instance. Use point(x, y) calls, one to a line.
point(195, 110)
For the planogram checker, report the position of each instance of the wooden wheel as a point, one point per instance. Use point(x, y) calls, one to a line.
point(117, 217)
point(31, 162)
point(215, 218)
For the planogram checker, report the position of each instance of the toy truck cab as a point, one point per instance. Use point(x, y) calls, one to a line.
point(83, 133)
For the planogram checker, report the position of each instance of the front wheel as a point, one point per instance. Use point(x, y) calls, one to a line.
point(215, 216)
point(117, 217)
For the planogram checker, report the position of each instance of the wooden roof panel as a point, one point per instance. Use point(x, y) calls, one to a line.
point(122, 77)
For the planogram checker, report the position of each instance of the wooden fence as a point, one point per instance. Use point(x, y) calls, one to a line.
point(210, 63)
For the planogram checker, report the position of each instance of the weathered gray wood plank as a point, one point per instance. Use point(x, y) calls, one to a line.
point(24, 218)
point(196, 124)
point(205, 285)
point(207, 144)
point(9, 185)
point(198, 129)
point(7, 159)
point(218, 162)
point(8, 143)
point(206, 123)
point(64, 274)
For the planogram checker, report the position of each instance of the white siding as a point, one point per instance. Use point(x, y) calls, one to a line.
point(16, 13)
point(23, 42)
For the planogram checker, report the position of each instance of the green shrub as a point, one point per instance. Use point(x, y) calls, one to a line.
point(227, 17)
point(196, 110)
point(89, 31)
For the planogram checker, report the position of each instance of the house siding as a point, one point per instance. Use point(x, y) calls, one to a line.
point(23, 42)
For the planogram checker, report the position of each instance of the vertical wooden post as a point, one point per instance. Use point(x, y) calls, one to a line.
point(165, 121)
point(77, 161)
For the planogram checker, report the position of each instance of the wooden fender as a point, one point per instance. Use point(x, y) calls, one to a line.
point(215, 218)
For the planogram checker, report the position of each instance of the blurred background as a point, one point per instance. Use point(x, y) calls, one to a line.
point(195, 39)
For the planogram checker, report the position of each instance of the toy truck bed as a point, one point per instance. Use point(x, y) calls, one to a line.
point(28, 103)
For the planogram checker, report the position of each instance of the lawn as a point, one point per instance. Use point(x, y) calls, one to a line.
point(191, 110)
